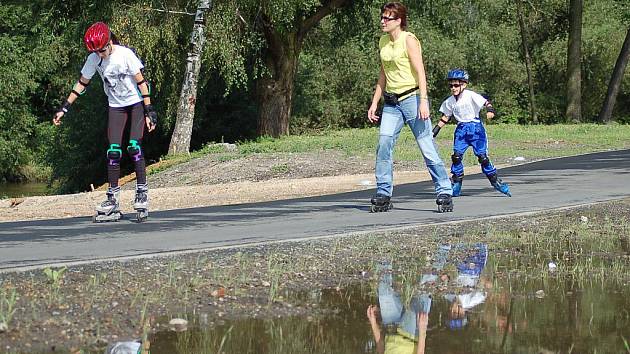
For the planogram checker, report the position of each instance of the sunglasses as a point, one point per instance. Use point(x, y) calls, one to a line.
point(387, 19)
point(104, 49)
point(454, 85)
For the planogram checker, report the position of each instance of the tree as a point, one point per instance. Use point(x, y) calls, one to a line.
point(180, 141)
point(528, 62)
point(615, 81)
point(284, 30)
point(574, 59)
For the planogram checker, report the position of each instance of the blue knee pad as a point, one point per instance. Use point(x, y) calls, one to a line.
point(114, 154)
point(134, 150)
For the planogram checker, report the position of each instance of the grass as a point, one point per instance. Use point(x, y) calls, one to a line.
point(590, 246)
point(506, 141)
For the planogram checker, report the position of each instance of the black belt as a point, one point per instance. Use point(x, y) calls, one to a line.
point(392, 98)
point(399, 95)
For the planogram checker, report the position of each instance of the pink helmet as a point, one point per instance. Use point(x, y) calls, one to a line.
point(97, 36)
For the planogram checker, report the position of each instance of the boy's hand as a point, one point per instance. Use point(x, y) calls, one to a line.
point(489, 115)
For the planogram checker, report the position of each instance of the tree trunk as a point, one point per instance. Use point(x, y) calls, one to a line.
point(574, 57)
point(605, 114)
point(533, 116)
point(274, 93)
point(180, 140)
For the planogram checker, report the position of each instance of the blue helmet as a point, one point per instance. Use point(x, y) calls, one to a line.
point(457, 74)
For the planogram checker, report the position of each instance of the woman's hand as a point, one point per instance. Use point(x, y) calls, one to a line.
point(371, 313)
point(424, 109)
point(372, 117)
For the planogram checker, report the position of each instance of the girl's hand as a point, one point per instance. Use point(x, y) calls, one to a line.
point(57, 118)
point(150, 124)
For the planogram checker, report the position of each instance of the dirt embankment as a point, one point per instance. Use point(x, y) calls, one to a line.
point(209, 181)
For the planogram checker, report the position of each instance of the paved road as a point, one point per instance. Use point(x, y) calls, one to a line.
point(537, 186)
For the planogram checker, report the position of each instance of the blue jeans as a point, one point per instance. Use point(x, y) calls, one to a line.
point(394, 312)
point(392, 121)
point(471, 134)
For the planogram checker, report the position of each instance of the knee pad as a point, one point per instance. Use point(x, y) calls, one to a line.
point(483, 160)
point(456, 158)
point(134, 150)
point(114, 153)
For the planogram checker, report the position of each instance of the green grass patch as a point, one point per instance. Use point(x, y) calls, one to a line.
point(506, 141)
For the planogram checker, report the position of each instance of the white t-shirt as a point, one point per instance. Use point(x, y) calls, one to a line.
point(466, 108)
point(117, 71)
point(472, 299)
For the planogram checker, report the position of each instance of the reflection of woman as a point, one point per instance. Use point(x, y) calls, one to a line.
point(399, 343)
point(411, 321)
point(401, 79)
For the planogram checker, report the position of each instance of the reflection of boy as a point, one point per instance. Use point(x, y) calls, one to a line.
point(469, 270)
point(411, 321)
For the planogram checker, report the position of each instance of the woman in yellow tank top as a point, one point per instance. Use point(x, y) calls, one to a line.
point(402, 82)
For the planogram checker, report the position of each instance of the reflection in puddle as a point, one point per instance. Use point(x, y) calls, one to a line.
point(458, 298)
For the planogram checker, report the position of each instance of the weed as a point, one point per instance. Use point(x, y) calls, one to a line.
point(55, 276)
point(280, 168)
point(8, 298)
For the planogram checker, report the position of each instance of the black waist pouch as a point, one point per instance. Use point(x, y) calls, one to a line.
point(392, 98)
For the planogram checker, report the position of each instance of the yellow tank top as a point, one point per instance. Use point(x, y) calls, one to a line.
point(396, 64)
point(398, 344)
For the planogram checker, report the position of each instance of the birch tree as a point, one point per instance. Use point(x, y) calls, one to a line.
point(180, 140)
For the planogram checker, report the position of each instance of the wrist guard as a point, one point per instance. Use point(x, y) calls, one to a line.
point(436, 130)
point(64, 107)
point(149, 111)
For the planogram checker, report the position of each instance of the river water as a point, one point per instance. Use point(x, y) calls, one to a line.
point(13, 190)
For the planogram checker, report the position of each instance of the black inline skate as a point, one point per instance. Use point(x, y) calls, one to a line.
point(109, 210)
point(444, 203)
point(381, 203)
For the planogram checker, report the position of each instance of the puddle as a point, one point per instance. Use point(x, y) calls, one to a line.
point(460, 298)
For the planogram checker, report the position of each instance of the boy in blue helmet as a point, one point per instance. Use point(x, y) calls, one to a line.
point(465, 105)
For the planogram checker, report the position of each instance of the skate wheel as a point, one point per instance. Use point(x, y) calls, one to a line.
point(373, 209)
point(141, 215)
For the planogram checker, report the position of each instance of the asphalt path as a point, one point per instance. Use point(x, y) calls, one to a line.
point(535, 186)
